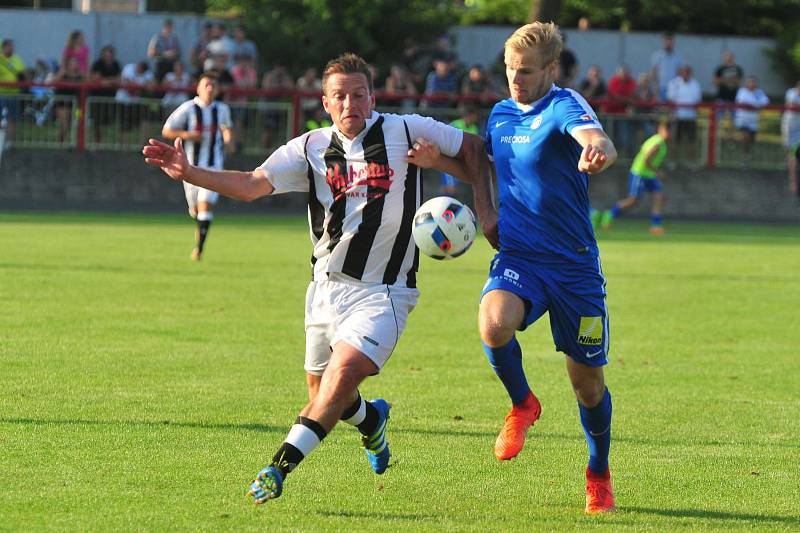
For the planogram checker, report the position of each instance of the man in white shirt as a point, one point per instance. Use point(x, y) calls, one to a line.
point(363, 190)
point(751, 98)
point(685, 93)
point(665, 63)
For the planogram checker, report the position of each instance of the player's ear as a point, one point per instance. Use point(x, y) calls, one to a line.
point(325, 103)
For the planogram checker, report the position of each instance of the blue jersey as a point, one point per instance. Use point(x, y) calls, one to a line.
point(544, 199)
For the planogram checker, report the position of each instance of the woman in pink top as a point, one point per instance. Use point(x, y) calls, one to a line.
point(76, 47)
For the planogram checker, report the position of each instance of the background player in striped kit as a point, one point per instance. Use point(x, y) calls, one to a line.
point(205, 125)
point(363, 190)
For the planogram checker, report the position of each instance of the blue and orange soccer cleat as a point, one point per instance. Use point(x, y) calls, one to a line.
point(512, 437)
point(268, 485)
point(599, 495)
point(375, 445)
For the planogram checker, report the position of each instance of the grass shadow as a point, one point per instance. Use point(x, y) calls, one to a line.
point(411, 517)
point(714, 515)
point(253, 426)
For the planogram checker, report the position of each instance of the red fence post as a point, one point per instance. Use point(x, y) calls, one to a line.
point(711, 160)
point(81, 141)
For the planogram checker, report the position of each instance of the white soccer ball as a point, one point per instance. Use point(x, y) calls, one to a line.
point(444, 228)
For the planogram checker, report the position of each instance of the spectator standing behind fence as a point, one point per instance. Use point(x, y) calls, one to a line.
point(400, 84)
point(12, 69)
point(727, 78)
point(66, 97)
point(309, 81)
point(443, 51)
point(131, 112)
point(244, 77)
point(477, 85)
point(76, 47)
point(221, 47)
point(199, 52)
point(177, 78)
point(164, 48)
point(790, 131)
point(592, 87)
point(441, 82)
point(621, 94)
point(277, 78)
point(746, 119)
point(567, 66)
point(665, 64)
point(685, 92)
point(105, 71)
point(244, 48)
point(204, 125)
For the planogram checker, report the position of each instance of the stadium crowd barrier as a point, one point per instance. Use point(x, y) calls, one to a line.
point(264, 119)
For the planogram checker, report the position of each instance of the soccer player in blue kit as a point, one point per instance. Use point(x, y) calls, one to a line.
point(545, 142)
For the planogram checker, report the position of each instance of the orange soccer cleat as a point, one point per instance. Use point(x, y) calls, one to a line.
point(512, 437)
point(599, 495)
point(658, 231)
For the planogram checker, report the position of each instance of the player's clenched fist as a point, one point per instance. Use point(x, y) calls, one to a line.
point(592, 160)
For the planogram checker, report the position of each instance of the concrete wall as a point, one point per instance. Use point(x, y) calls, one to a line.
point(31, 179)
point(609, 49)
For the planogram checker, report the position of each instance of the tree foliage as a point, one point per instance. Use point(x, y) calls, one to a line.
point(299, 33)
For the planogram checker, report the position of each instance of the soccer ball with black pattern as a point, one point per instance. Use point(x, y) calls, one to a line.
point(444, 228)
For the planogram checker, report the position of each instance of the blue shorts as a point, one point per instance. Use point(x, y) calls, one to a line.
point(573, 294)
point(637, 185)
point(11, 104)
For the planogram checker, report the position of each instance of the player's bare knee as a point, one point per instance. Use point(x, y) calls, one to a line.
point(589, 392)
point(495, 331)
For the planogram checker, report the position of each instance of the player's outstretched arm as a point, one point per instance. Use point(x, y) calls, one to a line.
point(173, 161)
point(598, 151)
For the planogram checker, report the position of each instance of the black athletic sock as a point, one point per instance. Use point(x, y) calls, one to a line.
point(369, 423)
point(202, 233)
point(306, 434)
point(287, 458)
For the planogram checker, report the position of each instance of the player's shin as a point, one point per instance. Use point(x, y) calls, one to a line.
point(506, 362)
point(596, 422)
point(204, 219)
point(303, 438)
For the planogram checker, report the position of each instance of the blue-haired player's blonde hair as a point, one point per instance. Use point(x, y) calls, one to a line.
point(544, 36)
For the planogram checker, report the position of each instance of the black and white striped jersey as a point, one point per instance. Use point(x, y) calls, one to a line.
point(194, 115)
point(362, 194)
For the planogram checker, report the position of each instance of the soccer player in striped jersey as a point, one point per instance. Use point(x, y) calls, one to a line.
point(545, 142)
point(204, 125)
point(363, 189)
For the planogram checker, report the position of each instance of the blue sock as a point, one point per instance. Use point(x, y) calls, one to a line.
point(506, 362)
point(596, 422)
point(615, 211)
point(655, 220)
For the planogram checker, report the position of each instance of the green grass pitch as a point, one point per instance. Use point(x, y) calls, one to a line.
point(141, 391)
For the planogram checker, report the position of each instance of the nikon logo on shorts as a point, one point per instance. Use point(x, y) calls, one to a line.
point(590, 331)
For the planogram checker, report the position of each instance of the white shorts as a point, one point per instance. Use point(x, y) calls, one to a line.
point(195, 195)
point(368, 316)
